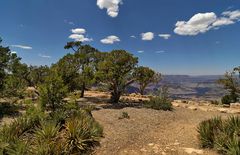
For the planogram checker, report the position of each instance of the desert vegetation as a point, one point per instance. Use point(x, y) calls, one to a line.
point(221, 134)
point(49, 124)
point(231, 84)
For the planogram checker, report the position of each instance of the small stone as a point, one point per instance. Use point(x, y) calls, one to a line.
point(164, 153)
point(150, 144)
point(192, 108)
point(222, 110)
point(192, 150)
point(143, 150)
point(176, 143)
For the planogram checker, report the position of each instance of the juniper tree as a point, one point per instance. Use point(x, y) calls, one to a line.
point(145, 76)
point(116, 70)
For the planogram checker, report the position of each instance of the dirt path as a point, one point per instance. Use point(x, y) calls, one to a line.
point(150, 131)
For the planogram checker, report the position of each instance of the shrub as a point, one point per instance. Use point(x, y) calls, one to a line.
point(52, 91)
point(215, 102)
point(124, 115)
point(227, 99)
point(207, 131)
point(82, 133)
point(160, 102)
point(59, 132)
point(221, 135)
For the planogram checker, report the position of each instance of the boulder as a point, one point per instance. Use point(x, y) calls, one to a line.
point(192, 108)
point(175, 104)
point(235, 105)
point(234, 111)
point(223, 110)
point(178, 101)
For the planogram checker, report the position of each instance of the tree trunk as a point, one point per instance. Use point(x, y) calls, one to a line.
point(83, 89)
point(115, 97)
point(142, 88)
point(141, 91)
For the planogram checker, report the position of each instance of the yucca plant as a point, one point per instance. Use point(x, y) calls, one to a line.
point(47, 131)
point(232, 125)
point(233, 146)
point(222, 135)
point(207, 131)
point(19, 147)
point(82, 133)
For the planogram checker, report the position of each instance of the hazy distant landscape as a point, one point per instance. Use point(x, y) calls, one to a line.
point(189, 87)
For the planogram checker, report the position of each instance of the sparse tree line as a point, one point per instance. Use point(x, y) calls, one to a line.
point(79, 70)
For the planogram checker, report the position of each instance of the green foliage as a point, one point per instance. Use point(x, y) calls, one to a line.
point(124, 115)
point(37, 75)
point(52, 91)
point(145, 76)
point(77, 70)
point(227, 99)
point(60, 132)
point(116, 70)
point(10, 78)
point(224, 135)
point(208, 130)
point(8, 109)
point(230, 83)
point(215, 102)
point(161, 101)
point(5, 59)
point(82, 133)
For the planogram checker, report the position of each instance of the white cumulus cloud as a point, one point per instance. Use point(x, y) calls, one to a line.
point(203, 22)
point(234, 15)
point(112, 6)
point(222, 21)
point(110, 40)
point(164, 36)
point(22, 47)
point(79, 31)
point(199, 23)
point(147, 36)
point(80, 37)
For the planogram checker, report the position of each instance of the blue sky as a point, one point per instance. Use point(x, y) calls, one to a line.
point(196, 37)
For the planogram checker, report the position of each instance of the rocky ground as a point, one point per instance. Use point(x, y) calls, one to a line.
point(147, 131)
point(150, 132)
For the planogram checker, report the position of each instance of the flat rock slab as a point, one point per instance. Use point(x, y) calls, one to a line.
point(193, 151)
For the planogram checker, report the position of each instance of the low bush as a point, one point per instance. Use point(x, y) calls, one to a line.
point(58, 132)
point(161, 101)
point(227, 99)
point(124, 115)
point(223, 135)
